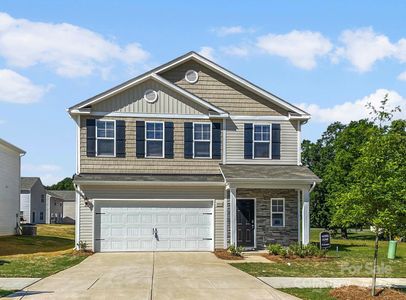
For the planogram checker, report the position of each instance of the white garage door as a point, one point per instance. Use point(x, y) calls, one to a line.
point(153, 226)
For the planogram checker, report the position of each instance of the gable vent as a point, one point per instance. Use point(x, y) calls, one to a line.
point(191, 76)
point(150, 96)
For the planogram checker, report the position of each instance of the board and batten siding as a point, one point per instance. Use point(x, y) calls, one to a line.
point(151, 193)
point(221, 92)
point(9, 190)
point(131, 164)
point(132, 101)
point(235, 143)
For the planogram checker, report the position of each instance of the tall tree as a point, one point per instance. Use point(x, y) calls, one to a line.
point(64, 184)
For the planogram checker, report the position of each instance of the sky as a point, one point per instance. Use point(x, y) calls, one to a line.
point(328, 57)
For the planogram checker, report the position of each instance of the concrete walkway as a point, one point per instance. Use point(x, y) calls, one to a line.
point(158, 276)
point(315, 282)
point(11, 284)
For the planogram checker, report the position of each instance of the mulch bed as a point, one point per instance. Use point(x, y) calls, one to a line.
point(353, 292)
point(224, 254)
point(278, 258)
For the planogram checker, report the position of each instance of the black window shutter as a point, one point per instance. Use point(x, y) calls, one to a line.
point(91, 137)
point(140, 139)
point(248, 129)
point(188, 136)
point(216, 141)
point(120, 138)
point(276, 141)
point(168, 139)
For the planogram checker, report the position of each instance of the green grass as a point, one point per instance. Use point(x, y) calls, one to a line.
point(309, 294)
point(39, 256)
point(4, 293)
point(353, 259)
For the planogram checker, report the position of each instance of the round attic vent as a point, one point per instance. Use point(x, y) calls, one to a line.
point(191, 76)
point(150, 96)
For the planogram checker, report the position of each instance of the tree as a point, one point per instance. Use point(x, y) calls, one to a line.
point(376, 194)
point(317, 156)
point(347, 149)
point(65, 184)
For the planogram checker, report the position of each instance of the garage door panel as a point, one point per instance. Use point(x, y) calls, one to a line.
point(128, 226)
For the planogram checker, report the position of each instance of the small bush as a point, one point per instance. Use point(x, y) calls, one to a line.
point(82, 246)
point(309, 250)
point(236, 251)
point(276, 249)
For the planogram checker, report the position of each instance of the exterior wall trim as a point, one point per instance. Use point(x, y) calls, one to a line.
point(284, 212)
point(152, 183)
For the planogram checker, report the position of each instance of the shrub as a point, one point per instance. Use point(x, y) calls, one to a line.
point(276, 249)
point(309, 250)
point(236, 251)
point(82, 246)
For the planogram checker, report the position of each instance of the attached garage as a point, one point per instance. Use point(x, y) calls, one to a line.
point(153, 225)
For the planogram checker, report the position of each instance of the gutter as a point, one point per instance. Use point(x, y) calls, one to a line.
point(152, 183)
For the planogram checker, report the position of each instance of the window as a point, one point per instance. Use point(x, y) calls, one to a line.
point(278, 212)
point(262, 141)
point(42, 198)
point(154, 139)
point(202, 140)
point(41, 216)
point(105, 138)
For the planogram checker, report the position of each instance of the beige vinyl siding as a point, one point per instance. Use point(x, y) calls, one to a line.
point(235, 143)
point(132, 164)
point(152, 193)
point(222, 92)
point(132, 101)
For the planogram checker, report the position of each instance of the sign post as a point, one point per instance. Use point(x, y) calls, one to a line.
point(325, 240)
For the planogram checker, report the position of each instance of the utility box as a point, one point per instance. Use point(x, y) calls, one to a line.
point(29, 229)
point(392, 249)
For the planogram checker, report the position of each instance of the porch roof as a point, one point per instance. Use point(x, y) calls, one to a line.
point(268, 173)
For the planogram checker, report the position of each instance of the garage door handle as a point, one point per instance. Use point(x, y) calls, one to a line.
point(99, 239)
point(207, 239)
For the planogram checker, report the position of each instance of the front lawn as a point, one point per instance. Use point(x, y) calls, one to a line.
point(353, 259)
point(39, 256)
point(309, 294)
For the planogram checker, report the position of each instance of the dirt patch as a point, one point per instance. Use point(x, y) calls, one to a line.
point(353, 292)
point(224, 254)
point(278, 258)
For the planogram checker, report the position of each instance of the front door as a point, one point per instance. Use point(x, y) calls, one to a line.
point(245, 222)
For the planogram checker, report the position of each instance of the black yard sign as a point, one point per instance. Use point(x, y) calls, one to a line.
point(324, 240)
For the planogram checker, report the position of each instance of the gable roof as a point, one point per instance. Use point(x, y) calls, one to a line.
point(11, 146)
point(28, 182)
point(154, 73)
point(64, 195)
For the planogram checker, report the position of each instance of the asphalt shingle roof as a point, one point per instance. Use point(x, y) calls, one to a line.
point(149, 177)
point(28, 182)
point(64, 195)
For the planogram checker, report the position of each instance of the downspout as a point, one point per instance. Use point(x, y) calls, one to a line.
point(79, 193)
point(312, 187)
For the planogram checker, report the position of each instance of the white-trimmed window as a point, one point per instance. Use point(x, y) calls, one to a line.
point(106, 137)
point(154, 139)
point(202, 140)
point(277, 212)
point(262, 141)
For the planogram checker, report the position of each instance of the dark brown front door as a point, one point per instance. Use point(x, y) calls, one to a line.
point(245, 222)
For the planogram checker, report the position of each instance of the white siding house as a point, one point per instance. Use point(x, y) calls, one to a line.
point(10, 157)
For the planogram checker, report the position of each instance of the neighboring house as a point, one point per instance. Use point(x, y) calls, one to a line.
point(189, 157)
point(10, 168)
point(32, 200)
point(54, 208)
point(68, 202)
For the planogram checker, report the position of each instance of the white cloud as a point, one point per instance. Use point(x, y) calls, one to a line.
point(67, 49)
point(231, 30)
point(16, 88)
point(49, 173)
point(207, 52)
point(241, 51)
point(355, 110)
point(301, 48)
point(402, 76)
point(363, 47)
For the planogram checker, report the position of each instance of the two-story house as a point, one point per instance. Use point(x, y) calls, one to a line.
point(189, 157)
point(32, 200)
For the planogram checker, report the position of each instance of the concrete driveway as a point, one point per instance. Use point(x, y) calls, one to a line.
point(163, 275)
